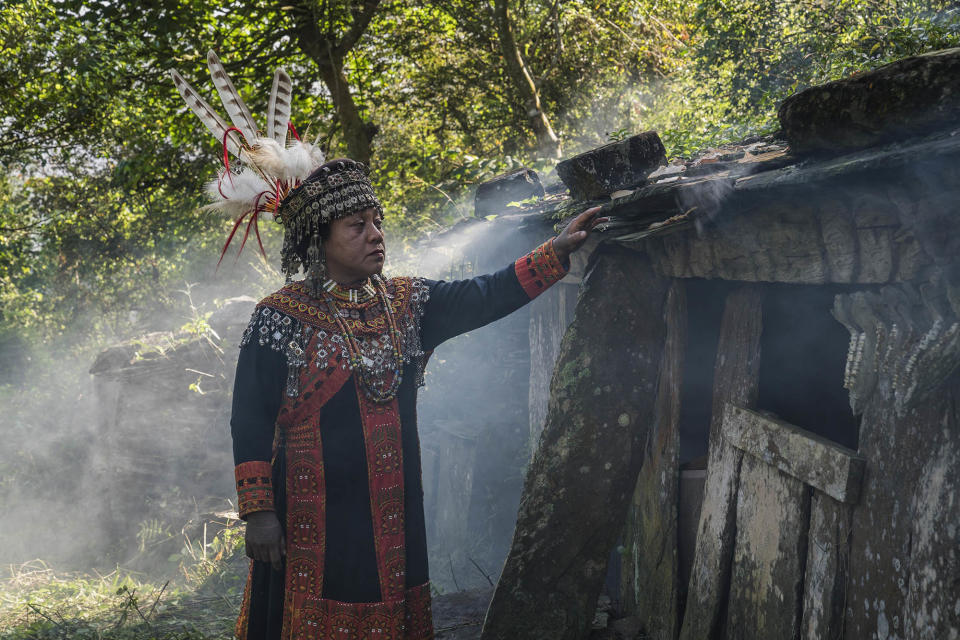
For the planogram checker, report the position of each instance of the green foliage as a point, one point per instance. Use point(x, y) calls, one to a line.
point(746, 57)
point(104, 168)
point(37, 603)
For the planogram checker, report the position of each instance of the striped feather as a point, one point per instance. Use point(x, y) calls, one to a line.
point(232, 102)
point(205, 112)
point(278, 111)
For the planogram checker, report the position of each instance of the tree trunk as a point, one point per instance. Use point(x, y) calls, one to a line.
point(328, 56)
point(356, 133)
point(547, 140)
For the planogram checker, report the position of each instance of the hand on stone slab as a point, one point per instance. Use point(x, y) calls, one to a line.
point(576, 233)
point(264, 539)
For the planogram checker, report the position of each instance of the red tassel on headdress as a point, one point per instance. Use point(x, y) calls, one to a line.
point(254, 221)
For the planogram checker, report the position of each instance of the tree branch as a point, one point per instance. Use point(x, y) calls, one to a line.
point(361, 20)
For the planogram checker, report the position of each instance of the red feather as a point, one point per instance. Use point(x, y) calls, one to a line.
point(226, 244)
point(253, 220)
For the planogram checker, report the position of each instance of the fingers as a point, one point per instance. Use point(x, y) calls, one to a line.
point(274, 557)
point(272, 553)
point(584, 219)
point(257, 552)
point(598, 221)
point(592, 211)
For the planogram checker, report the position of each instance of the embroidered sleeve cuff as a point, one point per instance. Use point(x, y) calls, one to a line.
point(539, 269)
point(254, 487)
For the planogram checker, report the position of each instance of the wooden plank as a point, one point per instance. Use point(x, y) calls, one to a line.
point(578, 486)
point(735, 381)
point(828, 555)
point(766, 581)
point(650, 572)
point(812, 459)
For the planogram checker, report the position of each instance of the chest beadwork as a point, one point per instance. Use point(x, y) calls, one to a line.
point(375, 338)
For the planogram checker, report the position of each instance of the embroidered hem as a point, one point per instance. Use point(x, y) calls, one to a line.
point(254, 487)
point(407, 618)
point(539, 269)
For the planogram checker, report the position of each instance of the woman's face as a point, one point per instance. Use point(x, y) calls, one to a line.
point(354, 249)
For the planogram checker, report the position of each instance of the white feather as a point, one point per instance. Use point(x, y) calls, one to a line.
point(302, 159)
point(278, 109)
point(235, 194)
point(232, 102)
point(269, 156)
point(202, 109)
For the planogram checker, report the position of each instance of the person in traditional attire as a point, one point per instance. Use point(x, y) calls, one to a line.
point(324, 404)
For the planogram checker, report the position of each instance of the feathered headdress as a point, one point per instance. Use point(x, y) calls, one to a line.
point(272, 164)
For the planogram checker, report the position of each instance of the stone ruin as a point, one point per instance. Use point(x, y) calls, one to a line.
point(166, 449)
point(738, 409)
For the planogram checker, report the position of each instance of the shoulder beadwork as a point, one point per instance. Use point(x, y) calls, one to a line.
point(270, 328)
point(417, 295)
point(280, 332)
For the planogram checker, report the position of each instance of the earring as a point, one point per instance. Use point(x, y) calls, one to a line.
point(316, 264)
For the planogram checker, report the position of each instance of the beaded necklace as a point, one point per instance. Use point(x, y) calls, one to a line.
point(372, 386)
point(363, 294)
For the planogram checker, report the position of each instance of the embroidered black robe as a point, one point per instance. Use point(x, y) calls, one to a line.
point(342, 471)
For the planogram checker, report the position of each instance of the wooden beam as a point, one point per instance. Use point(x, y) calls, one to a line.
point(812, 459)
point(736, 377)
point(825, 576)
point(649, 584)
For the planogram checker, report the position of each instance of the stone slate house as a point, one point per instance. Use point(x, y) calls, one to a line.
point(769, 330)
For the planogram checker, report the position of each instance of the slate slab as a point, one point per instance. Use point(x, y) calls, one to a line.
point(579, 483)
point(618, 165)
point(493, 196)
point(913, 96)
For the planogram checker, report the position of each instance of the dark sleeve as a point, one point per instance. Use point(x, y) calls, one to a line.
point(456, 307)
point(257, 390)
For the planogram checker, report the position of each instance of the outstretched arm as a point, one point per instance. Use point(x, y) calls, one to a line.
point(463, 305)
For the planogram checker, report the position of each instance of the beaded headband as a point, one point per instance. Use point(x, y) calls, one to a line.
point(333, 191)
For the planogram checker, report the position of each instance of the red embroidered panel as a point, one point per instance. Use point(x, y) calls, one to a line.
point(254, 487)
point(243, 620)
point(381, 435)
point(539, 269)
